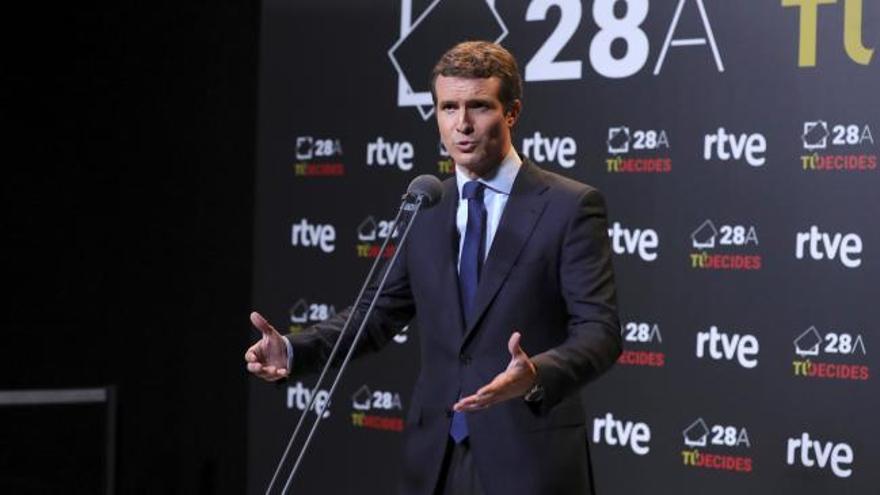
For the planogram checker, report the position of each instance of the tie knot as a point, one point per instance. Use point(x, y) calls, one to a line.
point(472, 190)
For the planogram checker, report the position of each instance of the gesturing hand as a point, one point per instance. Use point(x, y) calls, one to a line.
point(513, 382)
point(267, 358)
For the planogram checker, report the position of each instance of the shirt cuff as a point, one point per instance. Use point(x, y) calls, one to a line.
point(289, 353)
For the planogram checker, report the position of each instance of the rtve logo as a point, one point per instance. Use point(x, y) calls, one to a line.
point(822, 245)
point(305, 234)
point(624, 433)
point(550, 149)
point(642, 241)
point(298, 397)
point(814, 453)
point(724, 147)
point(382, 153)
point(720, 345)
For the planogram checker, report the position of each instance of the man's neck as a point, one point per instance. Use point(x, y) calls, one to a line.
point(500, 180)
point(490, 171)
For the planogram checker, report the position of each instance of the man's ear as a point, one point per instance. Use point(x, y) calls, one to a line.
point(512, 114)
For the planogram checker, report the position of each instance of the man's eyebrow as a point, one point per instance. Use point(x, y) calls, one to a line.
point(476, 100)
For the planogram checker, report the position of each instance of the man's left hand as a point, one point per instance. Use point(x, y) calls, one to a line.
point(513, 382)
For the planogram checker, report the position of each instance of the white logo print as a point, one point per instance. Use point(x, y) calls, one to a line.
point(298, 397)
point(726, 147)
point(550, 149)
point(824, 245)
point(623, 433)
point(641, 241)
point(305, 234)
point(722, 345)
point(380, 152)
point(422, 100)
point(815, 453)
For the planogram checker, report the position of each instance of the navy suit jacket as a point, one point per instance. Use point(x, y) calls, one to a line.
point(548, 275)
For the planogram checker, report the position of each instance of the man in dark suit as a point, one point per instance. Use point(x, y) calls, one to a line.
point(511, 273)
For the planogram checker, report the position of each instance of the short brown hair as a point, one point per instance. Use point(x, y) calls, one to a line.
point(481, 59)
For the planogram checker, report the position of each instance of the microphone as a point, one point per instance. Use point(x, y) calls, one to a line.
point(428, 188)
point(423, 192)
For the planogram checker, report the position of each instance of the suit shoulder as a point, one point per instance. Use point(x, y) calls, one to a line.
point(567, 188)
point(450, 189)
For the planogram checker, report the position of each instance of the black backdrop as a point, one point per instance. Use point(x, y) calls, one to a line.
point(741, 178)
point(127, 198)
point(129, 144)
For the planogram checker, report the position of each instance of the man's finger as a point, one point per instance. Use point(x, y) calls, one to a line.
point(268, 373)
point(484, 397)
point(513, 345)
point(253, 353)
point(475, 403)
point(261, 324)
point(469, 403)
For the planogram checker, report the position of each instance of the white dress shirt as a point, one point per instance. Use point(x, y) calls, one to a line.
point(495, 196)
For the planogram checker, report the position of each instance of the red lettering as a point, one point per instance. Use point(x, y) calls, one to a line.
point(723, 462)
point(844, 162)
point(837, 371)
point(644, 165)
point(382, 423)
point(642, 358)
point(733, 262)
point(324, 169)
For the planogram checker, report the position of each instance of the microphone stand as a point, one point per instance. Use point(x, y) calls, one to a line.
point(410, 203)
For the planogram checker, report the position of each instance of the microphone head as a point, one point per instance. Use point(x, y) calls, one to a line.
point(428, 187)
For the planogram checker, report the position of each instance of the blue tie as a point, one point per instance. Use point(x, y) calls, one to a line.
point(472, 253)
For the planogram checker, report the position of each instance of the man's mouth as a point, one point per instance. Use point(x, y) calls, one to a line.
point(466, 146)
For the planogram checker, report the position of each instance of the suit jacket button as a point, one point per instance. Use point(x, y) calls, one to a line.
point(465, 359)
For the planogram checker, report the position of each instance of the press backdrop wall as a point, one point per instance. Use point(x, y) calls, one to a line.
point(736, 144)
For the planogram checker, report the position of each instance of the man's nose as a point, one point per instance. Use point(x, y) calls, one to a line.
point(464, 124)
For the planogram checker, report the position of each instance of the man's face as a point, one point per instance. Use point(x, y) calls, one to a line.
point(473, 125)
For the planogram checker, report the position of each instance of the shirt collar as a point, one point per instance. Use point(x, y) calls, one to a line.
point(501, 181)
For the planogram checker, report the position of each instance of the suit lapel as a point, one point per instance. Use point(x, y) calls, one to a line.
point(446, 243)
point(524, 207)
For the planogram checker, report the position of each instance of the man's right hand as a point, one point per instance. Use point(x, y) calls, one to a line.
point(267, 358)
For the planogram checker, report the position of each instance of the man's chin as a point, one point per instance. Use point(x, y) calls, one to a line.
point(473, 163)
